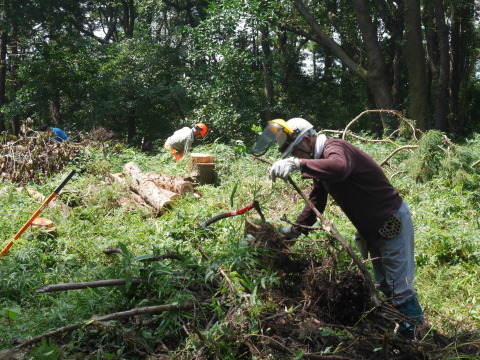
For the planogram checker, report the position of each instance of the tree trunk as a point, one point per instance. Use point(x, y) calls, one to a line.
point(128, 20)
point(267, 78)
point(462, 60)
point(416, 64)
point(55, 110)
point(15, 82)
point(3, 75)
point(154, 196)
point(131, 124)
point(202, 167)
point(377, 79)
point(441, 96)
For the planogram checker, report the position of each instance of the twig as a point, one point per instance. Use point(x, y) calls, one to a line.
point(227, 279)
point(476, 163)
point(285, 313)
point(167, 255)
point(280, 347)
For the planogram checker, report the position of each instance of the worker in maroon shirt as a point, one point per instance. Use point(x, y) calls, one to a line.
point(359, 186)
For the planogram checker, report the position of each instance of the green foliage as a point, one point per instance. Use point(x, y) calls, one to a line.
point(437, 156)
point(47, 350)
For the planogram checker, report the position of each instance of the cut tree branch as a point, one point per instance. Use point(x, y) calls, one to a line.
point(149, 310)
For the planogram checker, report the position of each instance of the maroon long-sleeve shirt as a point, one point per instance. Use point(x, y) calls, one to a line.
point(355, 182)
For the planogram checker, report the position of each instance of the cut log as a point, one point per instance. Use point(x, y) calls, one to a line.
point(153, 195)
point(176, 184)
point(55, 203)
point(117, 177)
point(202, 168)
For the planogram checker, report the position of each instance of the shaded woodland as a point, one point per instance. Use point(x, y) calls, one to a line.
point(140, 68)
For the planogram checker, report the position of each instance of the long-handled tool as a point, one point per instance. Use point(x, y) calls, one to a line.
point(255, 205)
point(35, 215)
point(328, 226)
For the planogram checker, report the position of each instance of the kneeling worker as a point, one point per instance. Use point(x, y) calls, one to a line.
point(181, 140)
point(60, 135)
point(361, 189)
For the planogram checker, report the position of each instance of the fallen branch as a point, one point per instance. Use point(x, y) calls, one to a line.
point(274, 344)
point(394, 112)
point(149, 310)
point(167, 255)
point(406, 147)
point(87, 284)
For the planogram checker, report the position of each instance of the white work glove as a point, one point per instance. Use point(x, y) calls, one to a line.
point(290, 232)
point(281, 168)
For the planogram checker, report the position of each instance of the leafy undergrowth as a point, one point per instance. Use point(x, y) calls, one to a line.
point(238, 289)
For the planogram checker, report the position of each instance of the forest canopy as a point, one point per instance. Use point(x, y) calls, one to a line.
point(142, 67)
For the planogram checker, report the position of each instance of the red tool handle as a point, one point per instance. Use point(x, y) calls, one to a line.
point(227, 214)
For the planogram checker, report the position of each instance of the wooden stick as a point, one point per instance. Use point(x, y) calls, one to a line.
point(328, 226)
point(84, 285)
point(149, 310)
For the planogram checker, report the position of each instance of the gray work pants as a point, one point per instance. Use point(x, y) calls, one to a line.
point(394, 267)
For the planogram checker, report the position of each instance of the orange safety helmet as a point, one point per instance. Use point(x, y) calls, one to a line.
point(202, 129)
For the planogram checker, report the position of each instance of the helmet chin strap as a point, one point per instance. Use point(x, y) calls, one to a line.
point(306, 152)
point(310, 152)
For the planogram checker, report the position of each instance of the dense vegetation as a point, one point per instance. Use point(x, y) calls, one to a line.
point(220, 272)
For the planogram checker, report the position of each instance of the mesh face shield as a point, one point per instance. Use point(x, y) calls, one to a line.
point(273, 133)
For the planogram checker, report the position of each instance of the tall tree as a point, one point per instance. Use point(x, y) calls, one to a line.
point(416, 64)
point(3, 75)
point(375, 76)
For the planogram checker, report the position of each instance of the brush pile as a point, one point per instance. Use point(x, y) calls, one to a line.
point(34, 157)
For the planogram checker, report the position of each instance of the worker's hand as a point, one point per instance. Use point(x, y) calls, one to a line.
point(290, 232)
point(281, 168)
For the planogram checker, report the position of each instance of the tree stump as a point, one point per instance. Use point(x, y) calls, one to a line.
point(44, 224)
point(202, 168)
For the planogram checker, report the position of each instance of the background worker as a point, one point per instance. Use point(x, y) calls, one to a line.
point(181, 140)
point(361, 189)
point(60, 135)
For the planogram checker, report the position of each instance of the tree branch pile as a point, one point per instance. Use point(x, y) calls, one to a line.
point(31, 158)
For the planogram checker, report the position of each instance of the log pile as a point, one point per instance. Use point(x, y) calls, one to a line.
point(154, 191)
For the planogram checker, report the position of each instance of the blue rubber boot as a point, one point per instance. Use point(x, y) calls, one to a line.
point(414, 312)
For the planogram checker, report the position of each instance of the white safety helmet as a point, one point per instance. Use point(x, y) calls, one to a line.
point(287, 134)
point(300, 128)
